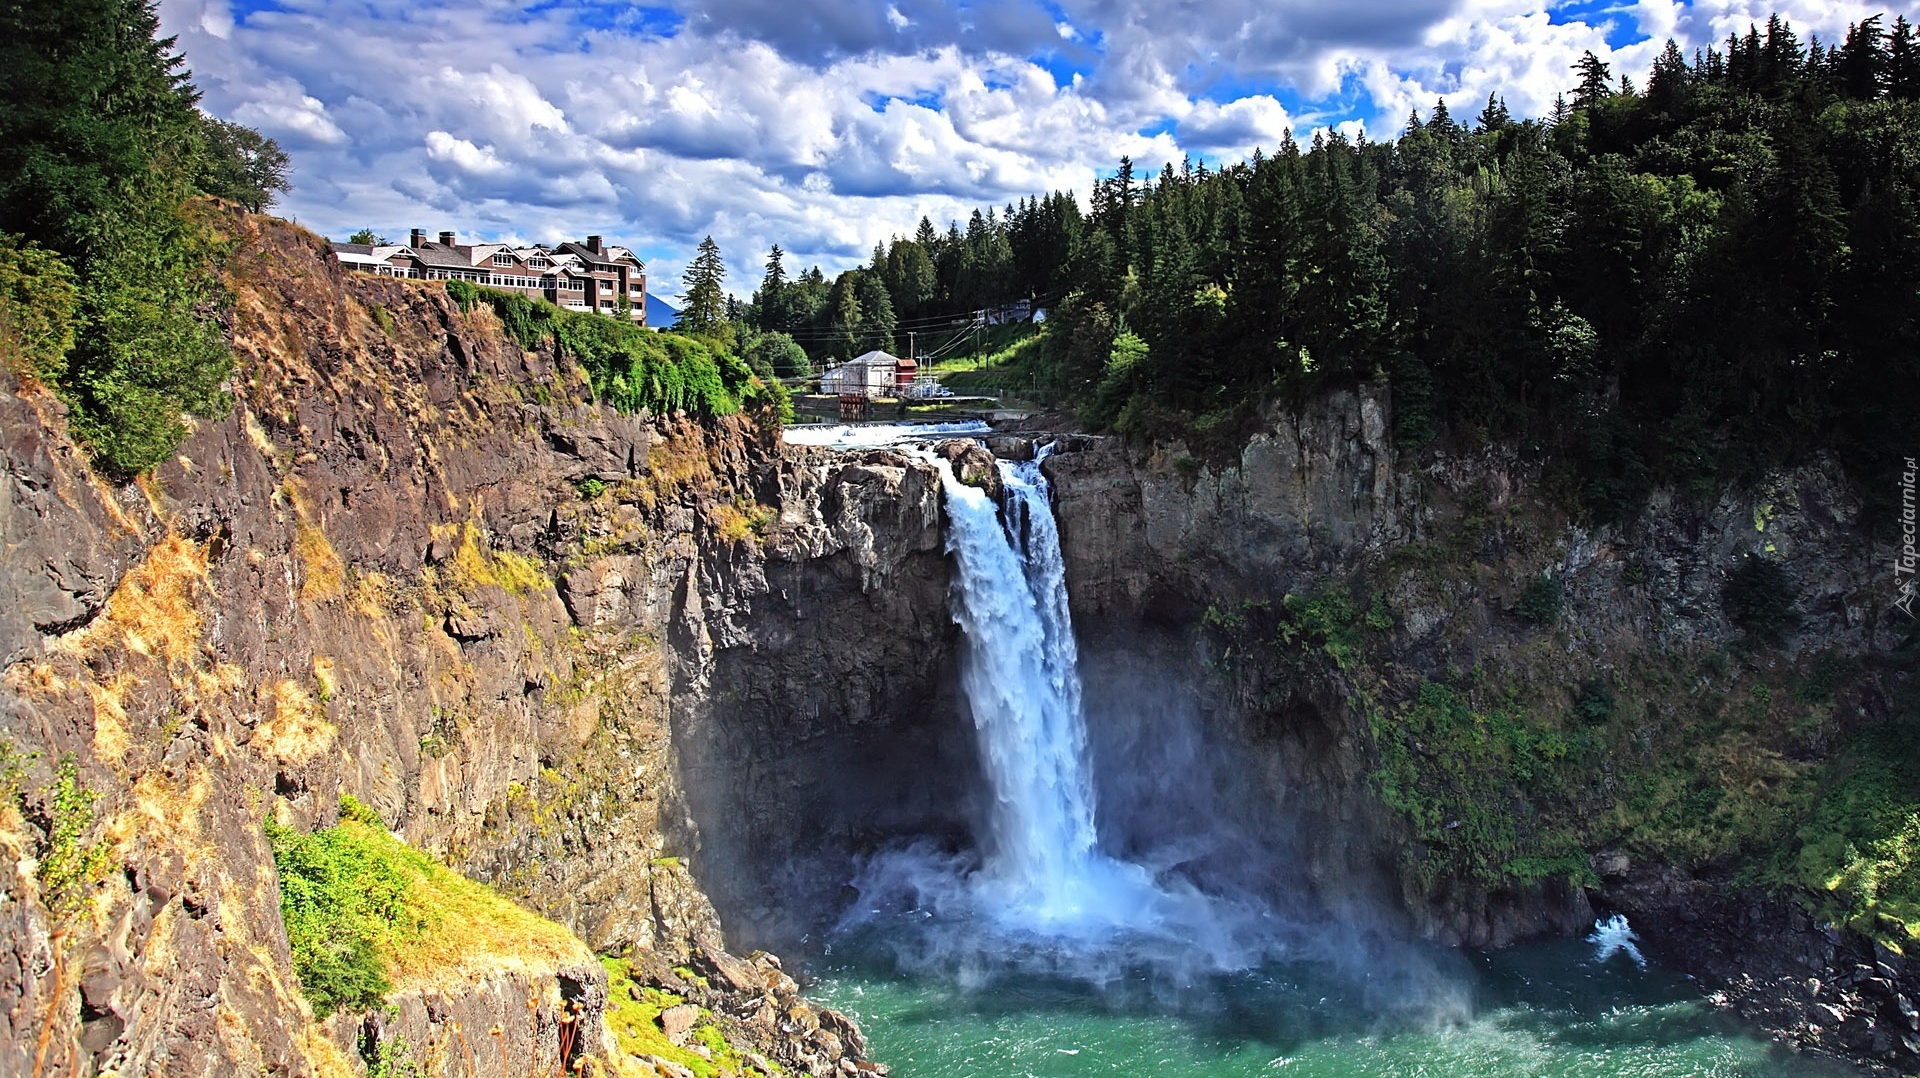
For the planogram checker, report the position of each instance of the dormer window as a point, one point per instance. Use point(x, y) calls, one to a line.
point(503, 260)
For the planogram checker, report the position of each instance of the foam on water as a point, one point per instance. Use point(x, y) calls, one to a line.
point(1614, 936)
point(876, 435)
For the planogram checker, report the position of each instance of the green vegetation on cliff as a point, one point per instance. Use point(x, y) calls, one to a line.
point(633, 1016)
point(366, 914)
point(634, 368)
point(108, 285)
point(1859, 844)
point(1515, 772)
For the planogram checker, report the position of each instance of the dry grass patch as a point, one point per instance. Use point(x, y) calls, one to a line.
point(161, 813)
point(110, 739)
point(154, 611)
point(742, 519)
point(474, 563)
point(372, 593)
point(470, 930)
point(324, 575)
point(326, 675)
point(298, 730)
point(324, 1056)
point(37, 680)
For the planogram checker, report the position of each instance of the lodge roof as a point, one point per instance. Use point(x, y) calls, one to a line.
point(433, 254)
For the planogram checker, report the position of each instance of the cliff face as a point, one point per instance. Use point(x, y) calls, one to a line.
point(1489, 717)
point(652, 676)
point(576, 654)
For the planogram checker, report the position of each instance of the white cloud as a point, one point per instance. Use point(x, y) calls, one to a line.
point(825, 125)
point(282, 110)
point(463, 155)
point(1236, 128)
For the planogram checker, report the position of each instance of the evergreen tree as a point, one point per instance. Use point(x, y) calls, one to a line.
point(703, 301)
point(1667, 85)
point(1861, 68)
point(845, 321)
point(876, 308)
point(1595, 82)
point(1903, 62)
point(1495, 118)
point(772, 306)
point(241, 165)
point(101, 146)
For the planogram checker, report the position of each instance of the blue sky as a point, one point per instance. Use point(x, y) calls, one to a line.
point(827, 125)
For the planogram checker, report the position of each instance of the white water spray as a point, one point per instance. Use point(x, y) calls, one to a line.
point(1044, 888)
point(1613, 936)
point(1044, 868)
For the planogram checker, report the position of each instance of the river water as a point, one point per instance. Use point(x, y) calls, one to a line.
point(1037, 953)
point(1537, 1011)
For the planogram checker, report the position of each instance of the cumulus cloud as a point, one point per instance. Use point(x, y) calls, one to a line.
point(1236, 128)
point(825, 125)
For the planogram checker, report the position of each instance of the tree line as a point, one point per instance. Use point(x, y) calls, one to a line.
point(925, 287)
point(108, 280)
point(1683, 281)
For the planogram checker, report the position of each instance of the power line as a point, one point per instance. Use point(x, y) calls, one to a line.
point(927, 322)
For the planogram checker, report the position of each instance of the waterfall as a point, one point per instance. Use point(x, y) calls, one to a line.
point(1022, 681)
point(1043, 873)
point(1038, 895)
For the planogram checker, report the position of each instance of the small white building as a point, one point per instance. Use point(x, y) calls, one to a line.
point(875, 374)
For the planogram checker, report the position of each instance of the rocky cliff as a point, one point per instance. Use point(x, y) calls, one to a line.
point(1494, 719)
point(664, 682)
point(585, 657)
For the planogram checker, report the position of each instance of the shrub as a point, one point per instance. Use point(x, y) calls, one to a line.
point(634, 368)
point(1759, 597)
point(776, 355)
point(1859, 846)
point(146, 354)
point(1543, 600)
point(39, 308)
point(365, 911)
point(1467, 781)
point(341, 899)
point(70, 865)
point(1595, 701)
point(464, 294)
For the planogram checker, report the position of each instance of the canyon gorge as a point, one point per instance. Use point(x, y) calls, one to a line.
point(674, 686)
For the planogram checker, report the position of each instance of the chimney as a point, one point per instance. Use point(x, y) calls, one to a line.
point(593, 244)
point(416, 238)
point(446, 239)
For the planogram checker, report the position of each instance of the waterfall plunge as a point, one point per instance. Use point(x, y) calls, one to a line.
point(1043, 895)
point(1044, 869)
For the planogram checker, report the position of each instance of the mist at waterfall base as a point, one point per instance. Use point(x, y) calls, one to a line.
point(1157, 908)
point(1118, 911)
point(1547, 1010)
